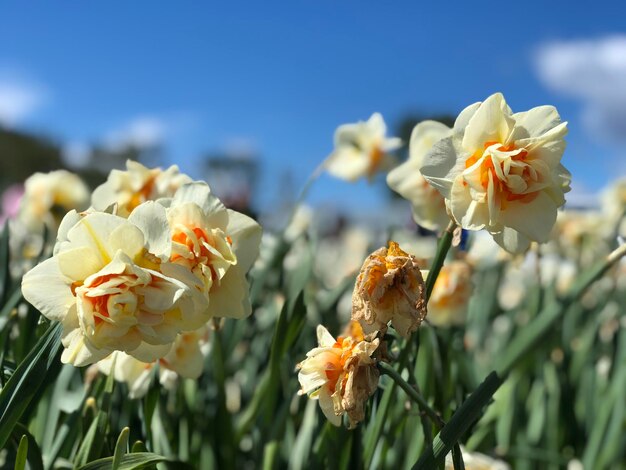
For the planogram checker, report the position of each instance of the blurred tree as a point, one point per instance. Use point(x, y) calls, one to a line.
point(233, 178)
point(23, 154)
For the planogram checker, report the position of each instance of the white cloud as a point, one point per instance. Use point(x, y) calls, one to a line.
point(143, 132)
point(593, 71)
point(19, 99)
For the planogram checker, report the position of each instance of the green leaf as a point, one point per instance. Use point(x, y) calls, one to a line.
point(5, 273)
point(120, 448)
point(27, 379)
point(33, 454)
point(134, 462)
point(91, 446)
point(22, 452)
point(376, 424)
point(460, 422)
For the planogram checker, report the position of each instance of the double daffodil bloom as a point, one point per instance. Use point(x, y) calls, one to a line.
point(106, 285)
point(341, 373)
point(429, 207)
point(216, 244)
point(362, 149)
point(49, 196)
point(137, 184)
point(501, 171)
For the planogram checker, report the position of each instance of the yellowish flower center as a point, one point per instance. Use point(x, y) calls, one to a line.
point(376, 158)
point(489, 173)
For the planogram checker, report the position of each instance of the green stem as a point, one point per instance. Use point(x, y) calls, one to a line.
point(442, 251)
point(387, 369)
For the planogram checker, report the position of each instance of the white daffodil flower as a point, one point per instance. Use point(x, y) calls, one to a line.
point(49, 196)
point(451, 294)
point(216, 244)
point(477, 461)
point(429, 207)
point(362, 149)
point(138, 184)
point(185, 359)
point(109, 291)
point(501, 171)
point(341, 373)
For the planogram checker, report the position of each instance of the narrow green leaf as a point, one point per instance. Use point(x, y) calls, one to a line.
point(376, 425)
point(92, 443)
point(27, 379)
point(460, 422)
point(22, 452)
point(134, 462)
point(120, 448)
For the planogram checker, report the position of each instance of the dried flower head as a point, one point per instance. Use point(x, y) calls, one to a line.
point(341, 373)
point(390, 287)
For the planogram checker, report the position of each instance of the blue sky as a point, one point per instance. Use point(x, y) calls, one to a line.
point(279, 77)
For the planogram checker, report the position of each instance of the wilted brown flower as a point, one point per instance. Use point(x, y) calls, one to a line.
point(389, 287)
point(341, 373)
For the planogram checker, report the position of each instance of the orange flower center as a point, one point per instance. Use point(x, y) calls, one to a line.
point(489, 173)
point(376, 158)
point(142, 195)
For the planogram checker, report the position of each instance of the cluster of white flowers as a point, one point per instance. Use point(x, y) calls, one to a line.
point(142, 271)
point(494, 170)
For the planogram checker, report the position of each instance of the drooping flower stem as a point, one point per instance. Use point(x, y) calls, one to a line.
point(387, 369)
point(471, 408)
point(442, 251)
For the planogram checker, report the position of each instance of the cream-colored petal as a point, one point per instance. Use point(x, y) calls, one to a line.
point(512, 240)
point(199, 193)
point(79, 263)
point(324, 338)
point(128, 239)
point(347, 163)
point(424, 136)
point(536, 121)
point(471, 214)
point(231, 299)
point(534, 219)
point(151, 219)
point(246, 235)
point(492, 122)
point(328, 407)
point(48, 290)
point(150, 352)
point(442, 164)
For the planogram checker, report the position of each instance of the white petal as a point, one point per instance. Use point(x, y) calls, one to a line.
point(328, 408)
point(324, 338)
point(128, 239)
point(150, 352)
point(151, 219)
point(231, 298)
point(423, 137)
point(246, 234)
point(534, 219)
point(93, 231)
point(348, 163)
point(200, 194)
point(511, 240)
point(492, 122)
point(48, 290)
point(537, 121)
point(79, 263)
point(441, 165)
point(471, 214)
